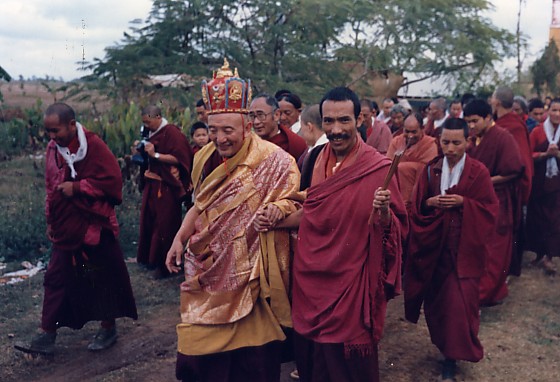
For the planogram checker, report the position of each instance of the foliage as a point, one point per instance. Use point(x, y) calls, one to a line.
point(120, 126)
point(4, 75)
point(21, 135)
point(546, 69)
point(307, 45)
point(22, 217)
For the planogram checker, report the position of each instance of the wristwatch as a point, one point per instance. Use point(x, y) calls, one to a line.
point(156, 155)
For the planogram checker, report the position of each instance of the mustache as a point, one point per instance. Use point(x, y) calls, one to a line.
point(330, 137)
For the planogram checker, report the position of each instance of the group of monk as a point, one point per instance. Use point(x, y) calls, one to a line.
point(297, 234)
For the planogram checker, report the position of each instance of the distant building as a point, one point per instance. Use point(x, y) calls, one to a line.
point(554, 33)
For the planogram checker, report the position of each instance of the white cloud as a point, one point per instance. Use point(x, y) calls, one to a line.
point(39, 37)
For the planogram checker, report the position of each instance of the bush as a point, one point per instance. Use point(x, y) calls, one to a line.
point(22, 217)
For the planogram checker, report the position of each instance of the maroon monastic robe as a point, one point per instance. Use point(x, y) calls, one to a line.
point(290, 142)
point(166, 186)
point(499, 152)
point(446, 258)
point(543, 211)
point(513, 123)
point(86, 278)
point(347, 269)
point(380, 137)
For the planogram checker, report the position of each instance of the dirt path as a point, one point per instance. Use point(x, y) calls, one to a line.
point(521, 340)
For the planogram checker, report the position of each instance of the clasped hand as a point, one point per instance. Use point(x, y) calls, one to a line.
point(267, 217)
point(445, 201)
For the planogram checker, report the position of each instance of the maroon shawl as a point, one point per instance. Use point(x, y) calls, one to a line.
point(513, 123)
point(499, 152)
point(380, 136)
point(429, 228)
point(171, 140)
point(290, 142)
point(346, 270)
point(97, 189)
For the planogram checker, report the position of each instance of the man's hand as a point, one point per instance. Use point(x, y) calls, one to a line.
point(382, 200)
point(150, 149)
point(174, 257)
point(267, 218)
point(445, 201)
point(552, 150)
point(381, 203)
point(66, 188)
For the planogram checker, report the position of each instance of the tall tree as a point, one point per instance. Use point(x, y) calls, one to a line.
point(310, 45)
point(4, 75)
point(545, 70)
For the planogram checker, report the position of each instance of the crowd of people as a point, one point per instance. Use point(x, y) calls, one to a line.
point(297, 235)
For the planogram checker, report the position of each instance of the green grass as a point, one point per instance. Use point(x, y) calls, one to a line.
point(22, 216)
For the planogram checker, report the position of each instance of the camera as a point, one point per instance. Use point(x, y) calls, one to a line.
point(141, 158)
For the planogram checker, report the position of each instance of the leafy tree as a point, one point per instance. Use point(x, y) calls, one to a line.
point(545, 70)
point(309, 45)
point(4, 75)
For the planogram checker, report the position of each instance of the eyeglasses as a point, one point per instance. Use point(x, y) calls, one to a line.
point(259, 115)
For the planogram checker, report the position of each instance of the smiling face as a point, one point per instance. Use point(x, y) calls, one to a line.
point(412, 131)
point(266, 118)
point(228, 131)
point(340, 126)
point(61, 133)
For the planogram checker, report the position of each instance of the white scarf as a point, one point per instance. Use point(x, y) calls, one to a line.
point(451, 178)
point(553, 138)
point(161, 125)
point(439, 122)
point(80, 154)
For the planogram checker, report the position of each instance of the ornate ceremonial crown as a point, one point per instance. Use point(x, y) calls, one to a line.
point(226, 93)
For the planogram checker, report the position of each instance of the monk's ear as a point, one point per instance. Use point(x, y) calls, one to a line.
point(247, 124)
point(360, 120)
point(276, 115)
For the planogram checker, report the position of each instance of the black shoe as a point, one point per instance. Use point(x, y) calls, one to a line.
point(104, 339)
point(40, 344)
point(448, 370)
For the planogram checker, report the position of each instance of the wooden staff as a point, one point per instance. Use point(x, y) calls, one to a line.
point(392, 170)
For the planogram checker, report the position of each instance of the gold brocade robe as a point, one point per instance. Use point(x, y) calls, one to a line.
point(236, 279)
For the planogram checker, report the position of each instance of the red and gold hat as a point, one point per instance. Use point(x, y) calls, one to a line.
point(226, 93)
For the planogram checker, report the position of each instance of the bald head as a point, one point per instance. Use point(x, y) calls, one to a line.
point(64, 112)
point(311, 114)
point(152, 111)
point(504, 95)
